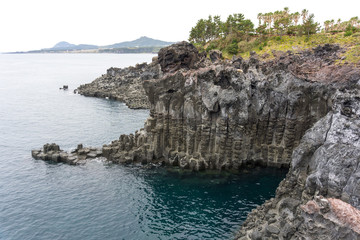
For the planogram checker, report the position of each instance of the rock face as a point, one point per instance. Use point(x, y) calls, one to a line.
point(226, 115)
point(298, 110)
point(177, 56)
point(125, 84)
point(320, 197)
point(215, 55)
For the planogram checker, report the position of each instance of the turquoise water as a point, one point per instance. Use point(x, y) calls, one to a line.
point(40, 200)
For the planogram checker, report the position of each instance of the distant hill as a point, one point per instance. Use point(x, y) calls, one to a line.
point(65, 46)
point(140, 45)
point(140, 42)
point(62, 45)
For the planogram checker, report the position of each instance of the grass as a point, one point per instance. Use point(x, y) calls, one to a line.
point(265, 46)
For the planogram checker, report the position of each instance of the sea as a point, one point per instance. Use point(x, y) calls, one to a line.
point(100, 200)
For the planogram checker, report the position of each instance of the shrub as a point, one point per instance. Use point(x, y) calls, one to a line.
point(348, 33)
point(211, 46)
point(232, 48)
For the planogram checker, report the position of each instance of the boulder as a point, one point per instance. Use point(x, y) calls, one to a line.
point(177, 56)
point(215, 55)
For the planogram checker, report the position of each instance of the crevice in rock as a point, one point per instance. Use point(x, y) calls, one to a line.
point(330, 125)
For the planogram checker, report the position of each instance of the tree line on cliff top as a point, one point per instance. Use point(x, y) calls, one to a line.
point(279, 23)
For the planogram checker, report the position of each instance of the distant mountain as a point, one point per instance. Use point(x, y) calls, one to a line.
point(65, 46)
point(140, 42)
point(62, 45)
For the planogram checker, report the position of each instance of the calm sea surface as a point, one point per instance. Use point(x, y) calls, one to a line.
point(40, 200)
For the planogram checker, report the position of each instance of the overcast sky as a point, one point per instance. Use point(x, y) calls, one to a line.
point(35, 24)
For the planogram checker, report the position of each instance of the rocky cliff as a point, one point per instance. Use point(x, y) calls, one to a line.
point(297, 110)
point(229, 114)
point(320, 197)
point(123, 84)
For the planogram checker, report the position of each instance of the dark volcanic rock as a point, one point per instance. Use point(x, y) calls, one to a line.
point(52, 152)
point(176, 56)
point(215, 55)
point(320, 195)
point(124, 84)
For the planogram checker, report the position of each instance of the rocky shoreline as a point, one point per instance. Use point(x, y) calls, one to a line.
point(123, 84)
point(52, 152)
point(299, 110)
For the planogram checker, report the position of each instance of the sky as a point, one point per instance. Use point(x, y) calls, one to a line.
point(34, 24)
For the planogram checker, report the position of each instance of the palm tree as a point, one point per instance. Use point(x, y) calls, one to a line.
point(332, 24)
point(338, 24)
point(354, 21)
point(271, 18)
point(327, 25)
point(268, 20)
point(277, 15)
point(259, 17)
point(296, 17)
point(304, 14)
point(286, 11)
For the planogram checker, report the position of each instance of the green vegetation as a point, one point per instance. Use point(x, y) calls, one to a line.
point(279, 31)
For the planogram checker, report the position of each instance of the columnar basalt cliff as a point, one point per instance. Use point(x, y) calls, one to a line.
point(320, 197)
point(225, 115)
point(298, 110)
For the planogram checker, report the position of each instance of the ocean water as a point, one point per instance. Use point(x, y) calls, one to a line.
point(42, 200)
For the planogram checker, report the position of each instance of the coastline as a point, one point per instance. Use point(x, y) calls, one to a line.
point(231, 114)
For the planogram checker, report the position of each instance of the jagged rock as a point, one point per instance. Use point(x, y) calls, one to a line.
point(52, 152)
point(51, 147)
point(331, 218)
point(124, 84)
point(322, 184)
point(215, 55)
point(176, 56)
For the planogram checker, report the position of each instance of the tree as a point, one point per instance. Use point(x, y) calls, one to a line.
point(338, 24)
point(210, 31)
point(197, 33)
point(286, 11)
point(327, 25)
point(237, 24)
point(259, 17)
point(296, 17)
point(304, 14)
point(332, 24)
point(282, 24)
point(261, 29)
point(309, 26)
point(353, 21)
point(218, 26)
